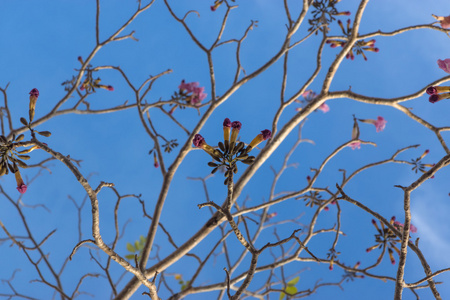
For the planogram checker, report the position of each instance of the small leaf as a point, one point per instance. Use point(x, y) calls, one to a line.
point(239, 147)
point(22, 164)
point(222, 146)
point(136, 245)
point(291, 290)
point(130, 248)
point(20, 137)
point(216, 158)
point(44, 133)
point(26, 157)
point(24, 121)
point(11, 168)
point(294, 281)
point(142, 239)
point(211, 164)
point(214, 170)
point(129, 256)
point(281, 296)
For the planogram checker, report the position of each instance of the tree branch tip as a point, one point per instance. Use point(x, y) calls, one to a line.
point(401, 187)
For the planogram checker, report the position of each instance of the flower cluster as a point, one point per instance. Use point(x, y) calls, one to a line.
point(324, 13)
point(418, 165)
point(309, 96)
point(189, 92)
point(444, 21)
point(10, 158)
point(358, 48)
point(380, 124)
point(90, 84)
point(351, 275)
point(387, 238)
point(230, 151)
point(332, 256)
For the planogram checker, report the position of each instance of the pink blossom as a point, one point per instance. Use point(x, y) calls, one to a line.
point(110, 88)
point(324, 108)
point(445, 21)
point(198, 95)
point(309, 95)
point(355, 145)
point(444, 64)
point(189, 87)
point(34, 93)
point(380, 123)
point(198, 140)
point(22, 188)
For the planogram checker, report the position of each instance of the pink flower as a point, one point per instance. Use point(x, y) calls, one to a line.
point(226, 130)
point(110, 88)
point(189, 87)
point(21, 186)
point(355, 145)
point(198, 140)
point(444, 64)
point(309, 95)
point(263, 136)
point(445, 21)
point(433, 90)
point(324, 108)
point(380, 123)
point(198, 95)
point(155, 160)
point(34, 93)
point(438, 97)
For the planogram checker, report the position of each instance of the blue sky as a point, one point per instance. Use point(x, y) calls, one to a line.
point(39, 49)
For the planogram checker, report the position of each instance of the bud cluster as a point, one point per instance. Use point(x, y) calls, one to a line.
point(359, 46)
point(438, 93)
point(324, 13)
point(90, 84)
point(230, 151)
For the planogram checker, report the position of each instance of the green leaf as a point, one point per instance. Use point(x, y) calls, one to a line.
point(142, 239)
point(293, 281)
point(291, 290)
point(281, 296)
point(129, 256)
point(130, 248)
point(137, 245)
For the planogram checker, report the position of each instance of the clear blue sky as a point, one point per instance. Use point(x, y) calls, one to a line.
point(39, 45)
